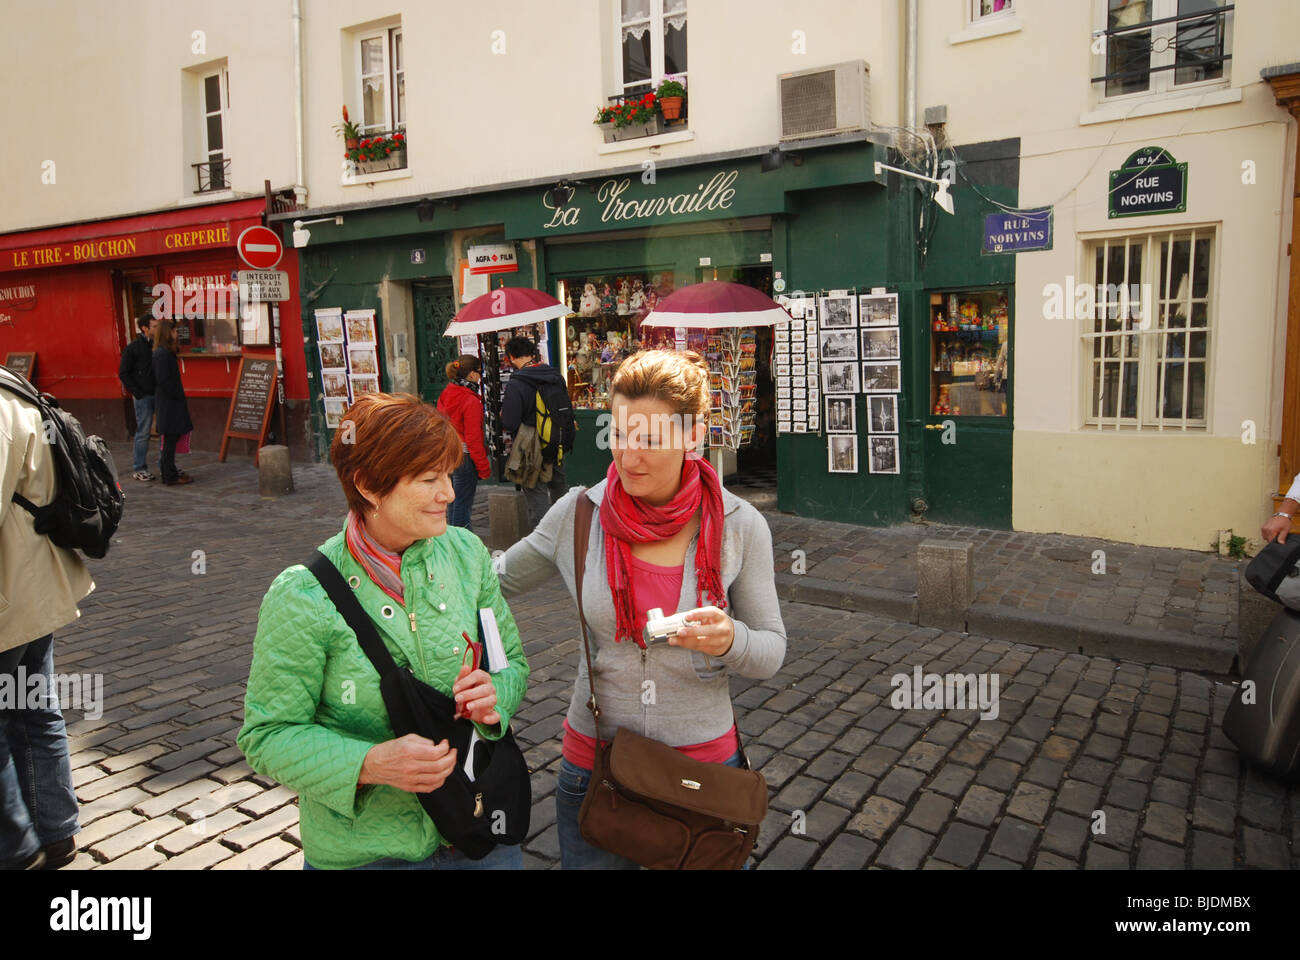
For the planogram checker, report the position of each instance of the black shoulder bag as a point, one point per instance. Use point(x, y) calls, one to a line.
point(474, 816)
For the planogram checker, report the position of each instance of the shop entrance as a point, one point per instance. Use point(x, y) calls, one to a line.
point(435, 305)
point(756, 460)
point(968, 424)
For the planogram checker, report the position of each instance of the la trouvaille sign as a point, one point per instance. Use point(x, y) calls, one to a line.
point(715, 194)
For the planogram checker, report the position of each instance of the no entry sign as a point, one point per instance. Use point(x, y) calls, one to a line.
point(260, 248)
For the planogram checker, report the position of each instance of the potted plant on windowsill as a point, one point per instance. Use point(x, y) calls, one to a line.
point(349, 131)
point(672, 95)
point(637, 118)
point(379, 153)
point(605, 120)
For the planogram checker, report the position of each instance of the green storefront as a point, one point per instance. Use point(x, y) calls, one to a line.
point(822, 223)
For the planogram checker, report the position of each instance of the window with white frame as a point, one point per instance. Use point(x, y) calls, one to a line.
point(381, 81)
point(652, 43)
point(1157, 46)
point(1148, 343)
point(981, 10)
point(214, 104)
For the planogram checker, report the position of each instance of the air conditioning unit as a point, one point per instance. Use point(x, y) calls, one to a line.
point(833, 99)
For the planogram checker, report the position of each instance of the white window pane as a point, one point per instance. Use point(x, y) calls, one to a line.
point(212, 93)
point(372, 56)
point(397, 51)
point(372, 101)
point(214, 132)
point(674, 6)
point(635, 9)
point(675, 49)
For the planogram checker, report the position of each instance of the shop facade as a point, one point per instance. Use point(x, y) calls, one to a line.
point(821, 230)
point(70, 295)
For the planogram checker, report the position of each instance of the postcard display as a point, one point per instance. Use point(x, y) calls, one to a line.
point(349, 359)
point(835, 346)
point(731, 354)
point(491, 347)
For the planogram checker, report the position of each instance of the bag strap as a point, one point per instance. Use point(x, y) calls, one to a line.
point(581, 532)
point(353, 613)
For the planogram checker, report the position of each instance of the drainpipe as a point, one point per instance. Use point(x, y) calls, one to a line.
point(299, 184)
point(909, 68)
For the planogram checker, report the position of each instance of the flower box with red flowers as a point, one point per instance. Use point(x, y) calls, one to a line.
point(379, 152)
point(631, 117)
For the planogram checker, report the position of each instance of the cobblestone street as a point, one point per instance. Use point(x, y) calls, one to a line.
point(853, 781)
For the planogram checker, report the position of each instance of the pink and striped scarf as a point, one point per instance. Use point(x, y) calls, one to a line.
point(384, 568)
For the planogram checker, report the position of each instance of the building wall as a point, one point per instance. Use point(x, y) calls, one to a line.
point(1172, 489)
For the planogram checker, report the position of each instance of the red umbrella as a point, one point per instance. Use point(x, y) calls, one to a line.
point(716, 303)
point(504, 308)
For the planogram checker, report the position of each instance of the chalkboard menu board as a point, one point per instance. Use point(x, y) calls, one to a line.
point(250, 406)
point(22, 364)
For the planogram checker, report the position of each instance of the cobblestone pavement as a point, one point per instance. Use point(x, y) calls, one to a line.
point(854, 782)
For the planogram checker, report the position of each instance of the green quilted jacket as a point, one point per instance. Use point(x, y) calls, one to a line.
point(313, 707)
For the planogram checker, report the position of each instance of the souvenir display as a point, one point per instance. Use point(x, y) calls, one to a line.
point(798, 349)
point(969, 346)
point(604, 329)
point(732, 358)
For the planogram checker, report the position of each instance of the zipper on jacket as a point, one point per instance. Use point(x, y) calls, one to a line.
point(419, 647)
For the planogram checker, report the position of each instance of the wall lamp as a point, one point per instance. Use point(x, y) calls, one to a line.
point(563, 191)
point(425, 208)
point(302, 236)
point(774, 159)
point(941, 196)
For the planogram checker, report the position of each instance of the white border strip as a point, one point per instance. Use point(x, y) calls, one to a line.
point(709, 321)
point(505, 322)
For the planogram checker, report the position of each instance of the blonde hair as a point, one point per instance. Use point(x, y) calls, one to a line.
point(679, 379)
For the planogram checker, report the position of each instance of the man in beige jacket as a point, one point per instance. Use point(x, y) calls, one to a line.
point(40, 585)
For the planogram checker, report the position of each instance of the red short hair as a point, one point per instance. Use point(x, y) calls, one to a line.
point(385, 437)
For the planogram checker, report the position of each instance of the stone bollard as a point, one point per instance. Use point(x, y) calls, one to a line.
point(275, 476)
point(507, 518)
point(945, 583)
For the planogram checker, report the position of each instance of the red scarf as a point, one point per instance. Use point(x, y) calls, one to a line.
point(626, 519)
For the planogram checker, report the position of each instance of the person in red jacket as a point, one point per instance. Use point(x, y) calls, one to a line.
point(461, 402)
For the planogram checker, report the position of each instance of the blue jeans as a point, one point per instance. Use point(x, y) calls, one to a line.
point(448, 858)
point(575, 852)
point(37, 804)
point(143, 424)
point(464, 481)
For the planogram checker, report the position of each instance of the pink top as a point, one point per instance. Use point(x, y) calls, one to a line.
point(659, 587)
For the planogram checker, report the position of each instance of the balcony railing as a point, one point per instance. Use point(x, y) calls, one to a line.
point(1198, 43)
point(212, 175)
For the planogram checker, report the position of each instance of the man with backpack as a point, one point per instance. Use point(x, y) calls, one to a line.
point(537, 396)
point(40, 586)
point(136, 374)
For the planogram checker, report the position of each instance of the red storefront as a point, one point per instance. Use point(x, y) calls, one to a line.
point(71, 293)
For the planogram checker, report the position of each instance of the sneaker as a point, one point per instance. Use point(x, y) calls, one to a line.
point(59, 854)
point(143, 475)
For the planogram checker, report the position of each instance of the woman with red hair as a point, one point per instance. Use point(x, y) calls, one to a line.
point(314, 717)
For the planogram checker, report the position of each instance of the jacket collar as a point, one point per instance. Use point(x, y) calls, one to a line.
point(730, 502)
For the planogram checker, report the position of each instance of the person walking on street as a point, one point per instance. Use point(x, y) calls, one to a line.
point(664, 535)
point(536, 395)
point(169, 401)
point(461, 402)
point(43, 584)
point(136, 374)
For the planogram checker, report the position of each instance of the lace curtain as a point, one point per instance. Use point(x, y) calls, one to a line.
point(674, 17)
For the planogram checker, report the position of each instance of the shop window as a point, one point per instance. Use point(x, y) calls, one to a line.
point(212, 173)
point(604, 329)
point(983, 10)
point(1148, 343)
point(380, 95)
point(970, 337)
point(207, 313)
point(1158, 46)
point(652, 43)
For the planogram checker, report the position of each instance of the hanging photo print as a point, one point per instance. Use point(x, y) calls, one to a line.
point(878, 310)
point(880, 343)
point(841, 413)
point(882, 453)
point(884, 377)
point(842, 453)
point(839, 344)
point(882, 413)
point(840, 377)
point(838, 312)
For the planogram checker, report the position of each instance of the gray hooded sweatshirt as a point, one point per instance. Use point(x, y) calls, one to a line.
point(671, 694)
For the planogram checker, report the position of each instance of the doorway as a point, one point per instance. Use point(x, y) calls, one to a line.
point(435, 305)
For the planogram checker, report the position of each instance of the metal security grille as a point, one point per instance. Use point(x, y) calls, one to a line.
point(808, 103)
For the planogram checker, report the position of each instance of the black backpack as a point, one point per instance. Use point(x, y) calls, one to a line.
point(87, 507)
point(555, 421)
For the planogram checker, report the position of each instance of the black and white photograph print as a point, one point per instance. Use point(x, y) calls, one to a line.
point(878, 310)
point(838, 312)
point(882, 454)
point(882, 377)
point(880, 343)
point(842, 453)
point(882, 413)
point(839, 344)
point(841, 413)
point(839, 377)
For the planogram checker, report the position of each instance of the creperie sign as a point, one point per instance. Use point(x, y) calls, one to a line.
point(116, 248)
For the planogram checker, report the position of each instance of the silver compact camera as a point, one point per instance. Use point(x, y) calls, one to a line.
point(659, 628)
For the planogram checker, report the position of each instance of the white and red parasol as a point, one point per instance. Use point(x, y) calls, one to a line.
point(714, 304)
point(503, 309)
